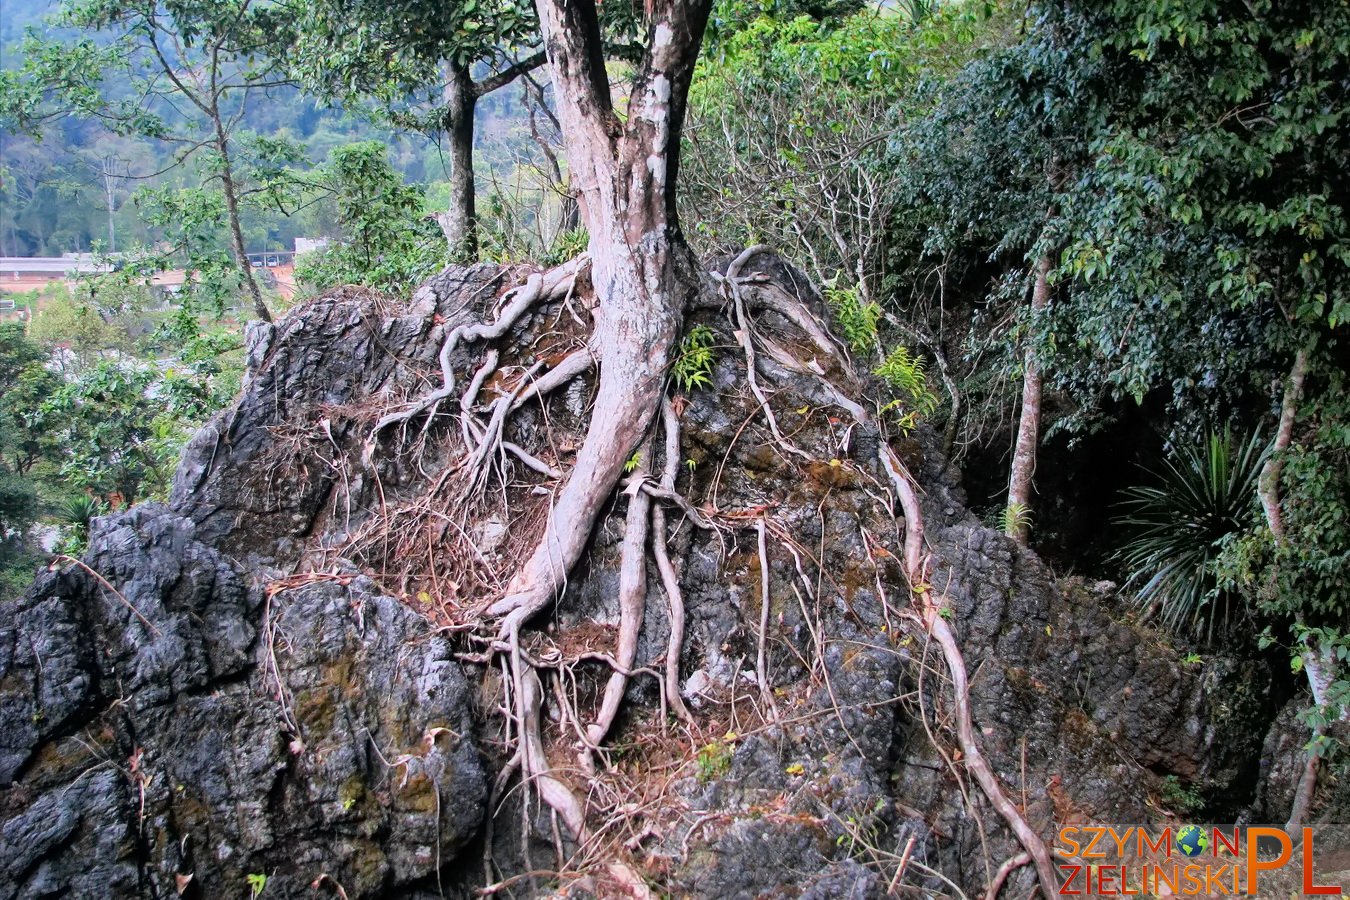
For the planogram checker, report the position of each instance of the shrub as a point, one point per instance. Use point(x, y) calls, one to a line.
point(1202, 496)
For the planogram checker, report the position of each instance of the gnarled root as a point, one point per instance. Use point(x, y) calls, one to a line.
point(979, 767)
point(631, 345)
point(537, 288)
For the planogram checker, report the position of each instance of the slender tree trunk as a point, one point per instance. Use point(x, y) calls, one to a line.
point(228, 186)
point(459, 222)
point(643, 270)
point(1317, 665)
point(1029, 425)
point(108, 193)
point(570, 212)
point(1268, 487)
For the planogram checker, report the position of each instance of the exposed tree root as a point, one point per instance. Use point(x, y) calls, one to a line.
point(1010, 865)
point(630, 391)
point(632, 602)
point(979, 767)
point(537, 288)
point(761, 639)
point(670, 580)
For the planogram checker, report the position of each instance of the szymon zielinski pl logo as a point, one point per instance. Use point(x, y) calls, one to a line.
point(1201, 861)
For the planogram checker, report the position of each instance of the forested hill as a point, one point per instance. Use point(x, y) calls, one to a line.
point(64, 184)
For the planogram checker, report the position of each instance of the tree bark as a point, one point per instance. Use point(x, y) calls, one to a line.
point(1029, 425)
point(1268, 487)
point(1317, 665)
point(459, 222)
point(643, 270)
point(232, 210)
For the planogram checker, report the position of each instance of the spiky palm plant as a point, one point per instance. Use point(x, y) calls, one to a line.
point(1178, 524)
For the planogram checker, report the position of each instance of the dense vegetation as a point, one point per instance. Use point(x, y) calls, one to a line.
point(1049, 227)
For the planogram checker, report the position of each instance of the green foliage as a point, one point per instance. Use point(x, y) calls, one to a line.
point(694, 364)
point(257, 883)
point(568, 245)
point(76, 513)
point(1180, 168)
point(1201, 499)
point(790, 114)
point(1179, 798)
point(1303, 583)
point(1309, 575)
point(387, 241)
point(392, 53)
point(24, 383)
point(184, 74)
point(714, 759)
point(903, 374)
point(120, 426)
point(1014, 517)
point(857, 320)
point(76, 324)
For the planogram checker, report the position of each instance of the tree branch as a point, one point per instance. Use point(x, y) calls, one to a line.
point(510, 73)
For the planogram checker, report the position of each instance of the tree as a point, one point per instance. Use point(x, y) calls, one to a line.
point(1179, 168)
point(396, 51)
point(644, 272)
point(385, 242)
point(644, 275)
point(24, 384)
point(183, 73)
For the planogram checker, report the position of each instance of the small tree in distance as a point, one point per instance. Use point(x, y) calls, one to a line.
point(183, 73)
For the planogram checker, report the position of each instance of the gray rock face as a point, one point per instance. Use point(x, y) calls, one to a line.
point(241, 698)
point(178, 733)
point(255, 480)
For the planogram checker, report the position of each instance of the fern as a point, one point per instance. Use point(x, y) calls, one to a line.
point(693, 367)
point(903, 373)
point(857, 320)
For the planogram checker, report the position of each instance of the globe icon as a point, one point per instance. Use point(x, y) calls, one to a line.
point(1192, 841)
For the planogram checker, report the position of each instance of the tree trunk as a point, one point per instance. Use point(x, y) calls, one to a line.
point(108, 194)
point(1318, 665)
point(459, 222)
point(1029, 426)
point(643, 271)
point(227, 185)
point(1268, 487)
point(569, 218)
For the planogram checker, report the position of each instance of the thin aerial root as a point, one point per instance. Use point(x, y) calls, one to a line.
point(558, 796)
point(761, 663)
point(745, 338)
point(1009, 866)
point(532, 461)
point(576, 363)
point(470, 397)
point(632, 602)
point(492, 437)
point(670, 579)
point(660, 492)
point(975, 762)
point(915, 564)
point(772, 298)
